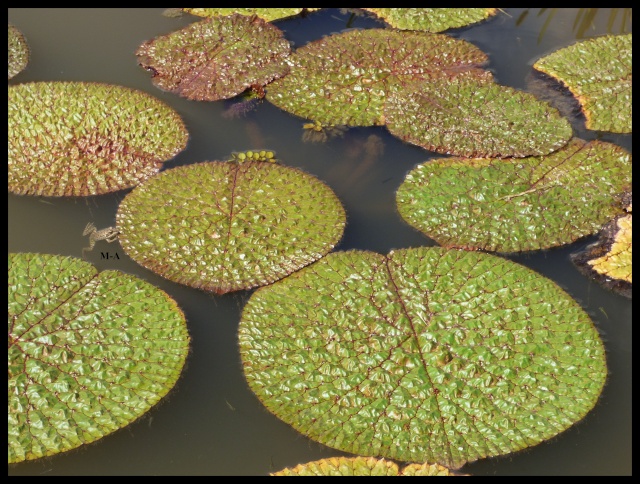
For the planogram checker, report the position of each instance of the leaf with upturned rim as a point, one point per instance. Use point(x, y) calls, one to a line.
point(512, 205)
point(362, 466)
point(431, 19)
point(423, 355)
point(468, 118)
point(89, 352)
point(216, 58)
point(344, 79)
point(87, 138)
point(598, 72)
point(268, 14)
point(226, 226)
point(18, 51)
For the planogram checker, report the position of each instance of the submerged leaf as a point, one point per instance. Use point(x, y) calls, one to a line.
point(468, 118)
point(89, 352)
point(431, 19)
point(85, 138)
point(362, 466)
point(216, 58)
point(227, 226)
point(512, 205)
point(424, 355)
point(346, 78)
point(268, 14)
point(18, 51)
point(598, 72)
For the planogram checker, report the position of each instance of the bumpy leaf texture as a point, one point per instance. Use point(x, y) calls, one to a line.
point(423, 355)
point(431, 19)
point(362, 466)
point(18, 51)
point(468, 118)
point(84, 138)
point(513, 205)
point(89, 352)
point(345, 78)
point(268, 14)
point(598, 72)
point(227, 226)
point(216, 58)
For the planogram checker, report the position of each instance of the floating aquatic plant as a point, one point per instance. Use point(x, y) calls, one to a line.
point(18, 51)
point(268, 14)
point(431, 19)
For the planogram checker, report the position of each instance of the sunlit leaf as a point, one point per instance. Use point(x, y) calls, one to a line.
point(423, 355)
point(598, 73)
point(362, 466)
point(512, 205)
point(85, 138)
point(216, 58)
point(18, 51)
point(227, 226)
point(89, 352)
point(468, 118)
point(268, 14)
point(431, 19)
point(344, 79)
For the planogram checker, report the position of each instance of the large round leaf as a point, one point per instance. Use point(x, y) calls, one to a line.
point(345, 78)
point(18, 51)
point(424, 355)
point(513, 205)
point(431, 19)
point(468, 118)
point(269, 14)
point(216, 58)
point(89, 352)
point(362, 466)
point(84, 138)
point(598, 72)
point(226, 226)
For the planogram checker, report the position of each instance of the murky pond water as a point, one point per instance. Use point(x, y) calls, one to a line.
point(211, 423)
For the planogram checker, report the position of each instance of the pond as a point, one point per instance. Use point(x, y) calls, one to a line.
point(211, 423)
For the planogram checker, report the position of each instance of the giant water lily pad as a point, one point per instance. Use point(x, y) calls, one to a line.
point(18, 51)
point(468, 118)
point(598, 73)
point(345, 78)
point(89, 352)
point(431, 19)
point(227, 226)
point(362, 466)
point(512, 205)
point(423, 355)
point(268, 14)
point(216, 58)
point(85, 138)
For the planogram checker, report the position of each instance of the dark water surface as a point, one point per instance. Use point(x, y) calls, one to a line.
point(211, 423)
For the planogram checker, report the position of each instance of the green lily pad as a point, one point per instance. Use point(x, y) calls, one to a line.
point(598, 73)
point(431, 19)
point(18, 51)
point(344, 79)
point(514, 205)
point(226, 226)
point(468, 118)
point(268, 14)
point(86, 138)
point(216, 58)
point(89, 352)
point(362, 466)
point(424, 355)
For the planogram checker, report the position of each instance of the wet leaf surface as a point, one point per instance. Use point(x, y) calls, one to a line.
point(216, 58)
point(345, 79)
point(598, 73)
point(227, 226)
point(468, 118)
point(431, 19)
point(18, 51)
point(268, 14)
point(89, 352)
point(84, 138)
point(423, 355)
point(514, 205)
